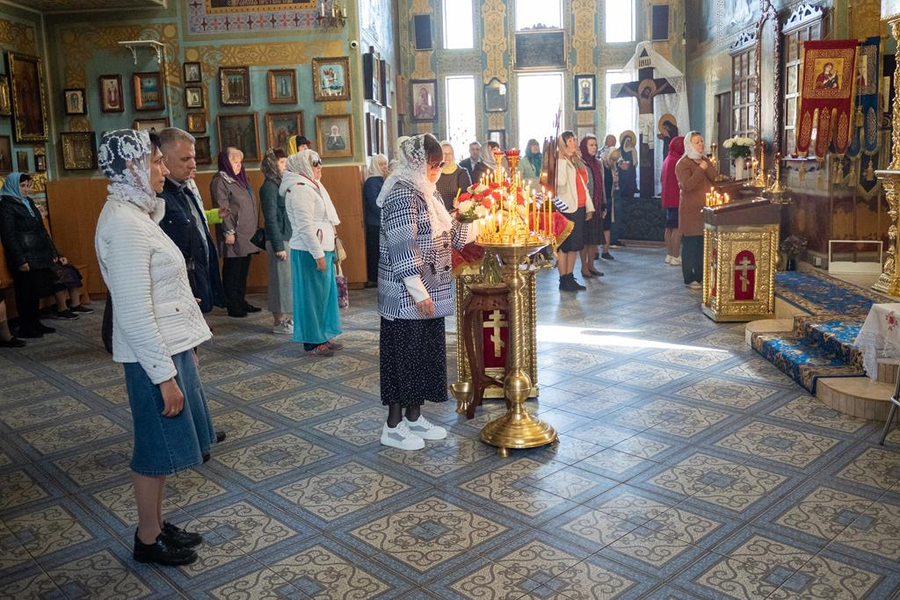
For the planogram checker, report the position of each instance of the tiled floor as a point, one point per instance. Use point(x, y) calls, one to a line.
point(688, 468)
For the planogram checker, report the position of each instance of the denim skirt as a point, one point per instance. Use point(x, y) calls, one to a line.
point(166, 445)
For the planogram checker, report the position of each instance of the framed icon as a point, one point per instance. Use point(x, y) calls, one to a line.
point(149, 92)
point(6, 163)
point(280, 127)
point(202, 152)
point(111, 93)
point(5, 106)
point(495, 97)
point(424, 100)
point(73, 101)
point(331, 79)
point(193, 96)
point(240, 131)
point(28, 97)
point(196, 122)
point(79, 150)
point(151, 125)
point(282, 86)
point(22, 161)
point(585, 92)
point(234, 86)
point(192, 72)
point(334, 136)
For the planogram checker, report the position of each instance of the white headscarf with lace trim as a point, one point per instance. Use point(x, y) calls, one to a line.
point(411, 168)
point(124, 157)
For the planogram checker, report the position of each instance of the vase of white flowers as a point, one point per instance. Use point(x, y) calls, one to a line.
point(740, 149)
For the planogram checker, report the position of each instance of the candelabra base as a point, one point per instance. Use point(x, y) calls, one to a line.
point(517, 430)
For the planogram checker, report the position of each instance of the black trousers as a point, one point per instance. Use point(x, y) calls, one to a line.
point(234, 280)
point(373, 234)
point(30, 287)
point(692, 258)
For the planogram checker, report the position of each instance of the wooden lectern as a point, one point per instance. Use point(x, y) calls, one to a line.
point(740, 252)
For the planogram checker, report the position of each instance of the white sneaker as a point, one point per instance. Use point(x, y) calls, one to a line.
point(676, 261)
point(284, 328)
point(694, 285)
point(668, 258)
point(401, 437)
point(425, 429)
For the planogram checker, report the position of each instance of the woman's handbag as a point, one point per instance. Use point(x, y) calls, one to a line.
point(340, 254)
point(259, 238)
point(106, 329)
point(343, 292)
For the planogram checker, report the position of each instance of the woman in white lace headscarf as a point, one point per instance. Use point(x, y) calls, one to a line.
point(415, 291)
point(156, 326)
point(317, 319)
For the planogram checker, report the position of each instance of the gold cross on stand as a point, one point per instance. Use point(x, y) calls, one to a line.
point(495, 323)
point(744, 267)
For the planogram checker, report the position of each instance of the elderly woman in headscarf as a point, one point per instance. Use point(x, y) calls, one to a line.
point(156, 327)
point(453, 180)
point(278, 234)
point(230, 189)
point(378, 170)
point(593, 229)
point(317, 319)
point(486, 162)
point(695, 175)
point(530, 165)
point(415, 291)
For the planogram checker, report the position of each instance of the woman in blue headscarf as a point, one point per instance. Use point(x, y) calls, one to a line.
point(30, 253)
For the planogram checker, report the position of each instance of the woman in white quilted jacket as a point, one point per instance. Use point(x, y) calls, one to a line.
point(157, 324)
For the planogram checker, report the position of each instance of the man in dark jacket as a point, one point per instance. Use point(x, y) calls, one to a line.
point(469, 163)
point(184, 220)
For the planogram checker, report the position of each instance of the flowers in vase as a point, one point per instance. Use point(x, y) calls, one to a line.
point(793, 246)
point(739, 147)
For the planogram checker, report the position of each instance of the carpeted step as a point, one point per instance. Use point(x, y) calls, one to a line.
point(802, 361)
point(833, 334)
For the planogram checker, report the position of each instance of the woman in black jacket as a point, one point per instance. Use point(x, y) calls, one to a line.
point(30, 253)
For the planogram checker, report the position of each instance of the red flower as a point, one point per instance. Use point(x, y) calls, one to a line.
point(463, 197)
point(494, 185)
point(486, 203)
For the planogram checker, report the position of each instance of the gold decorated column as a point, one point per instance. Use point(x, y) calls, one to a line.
point(889, 280)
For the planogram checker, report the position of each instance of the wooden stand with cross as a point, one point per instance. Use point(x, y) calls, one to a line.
point(740, 252)
point(644, 90)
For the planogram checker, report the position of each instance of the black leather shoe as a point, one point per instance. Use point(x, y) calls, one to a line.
point(162, 552)
point(252, 309)
point(180, 537)
point(44, 329)
point(206, 458)
point(220, 437)
point(237, 314)
point(607, 256)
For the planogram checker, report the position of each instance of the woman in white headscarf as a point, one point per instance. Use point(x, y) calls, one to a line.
point(415, 291)
point(317, 319)
point(156, 327)
point(378, 170)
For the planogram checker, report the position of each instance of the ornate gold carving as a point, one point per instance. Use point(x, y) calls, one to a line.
point(865, 18)
point(584, 38)
point(39, 182)
point(888, 281)
point(495, 41)
point(18, 36)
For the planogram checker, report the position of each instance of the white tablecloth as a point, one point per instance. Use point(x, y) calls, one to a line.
point(879, 336)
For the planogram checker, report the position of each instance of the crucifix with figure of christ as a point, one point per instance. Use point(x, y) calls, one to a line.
point(644, 90)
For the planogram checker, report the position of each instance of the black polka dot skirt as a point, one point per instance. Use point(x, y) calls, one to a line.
point(413, 361)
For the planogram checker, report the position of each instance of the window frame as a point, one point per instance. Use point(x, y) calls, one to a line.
point(606, 21)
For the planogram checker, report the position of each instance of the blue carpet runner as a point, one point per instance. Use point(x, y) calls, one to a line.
point(821, 344)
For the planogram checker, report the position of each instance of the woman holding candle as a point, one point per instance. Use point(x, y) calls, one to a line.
point(573, 190)
point(695, 174)
point(415, 291)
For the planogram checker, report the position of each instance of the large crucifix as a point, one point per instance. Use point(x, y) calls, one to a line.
point(644, 90)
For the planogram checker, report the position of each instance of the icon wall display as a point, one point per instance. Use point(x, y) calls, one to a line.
point(585, 92)
point(234, 86)
point(40, 162)
point(202, 153)
point(149, 93)
point(28, 97)
point(151, 125)
point(424, 100)
point(22, 161)
point(193, 96)
point(334, 136)
point(73, 101)
point(331, 79)
point(192, 72)
point(280, 127)
point(372, 76)
point(495, 96)
point(5, 105)
point(6, 163)
point(282, 86)
point(111, 100)
point(79, 150)
point(240, 131)
point(196, 122)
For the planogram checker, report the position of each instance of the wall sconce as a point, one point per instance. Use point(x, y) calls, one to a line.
point(335, 16)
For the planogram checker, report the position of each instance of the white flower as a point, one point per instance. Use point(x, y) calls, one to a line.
point(479, 189)
point(480, 211)
point(728, 143)
point(465, 206)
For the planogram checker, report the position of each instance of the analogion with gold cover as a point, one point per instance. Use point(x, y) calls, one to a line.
point(740, 252)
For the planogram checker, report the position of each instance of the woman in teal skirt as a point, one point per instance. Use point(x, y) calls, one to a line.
point(317, 319)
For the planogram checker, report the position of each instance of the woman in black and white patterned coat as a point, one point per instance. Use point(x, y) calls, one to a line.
point(415, 291)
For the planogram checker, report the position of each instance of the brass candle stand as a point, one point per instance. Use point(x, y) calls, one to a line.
point(517, 429)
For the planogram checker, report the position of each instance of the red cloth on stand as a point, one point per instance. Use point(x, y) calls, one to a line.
point(829, 69)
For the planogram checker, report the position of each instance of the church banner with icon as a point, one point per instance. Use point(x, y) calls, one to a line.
point(826, 99)
point(864, 136)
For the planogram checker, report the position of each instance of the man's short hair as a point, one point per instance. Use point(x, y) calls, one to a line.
point(475, 144)
point(172, 135)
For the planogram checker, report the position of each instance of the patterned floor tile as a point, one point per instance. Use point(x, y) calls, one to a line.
point(272, 457)
point(428, 533)
point(246, 526)
point(359, 429)
point(240, 425)
point(598, 578)
point(651, 550)
point(10, 374)
point(574, 361)
point(643, 375)
point(370, 384)
point(689, 476)
point(90, 377)
point(876, 531)
point(182, 490)
point(724, 392)
point(261, 584)
point(592, 529)
point(824, 577)
point(251, 389)
point(686, 525)
point(642, 447)
point(515, 486)
point(601, 434)
point(13, 555)
point(685, 421)
point(309, 404)
point(874, 467)
point(695, 359)
point(94, 466)
point(812, 411)
point(615, 465)
point(824, 513)
point(33, 584)
point(19, 488)
point(99, 575)
point(213, 371)
point(341, 491)
point(48, 530)
point(488, 580)
point(25, 391)
point(441, 458)
point(38, 413)
point(73, 434)
point(538, 559)
point(320, 573)
point(741, 488)
point(756, 369)
point(116, 394)
point(780, 444)
point(340, 366)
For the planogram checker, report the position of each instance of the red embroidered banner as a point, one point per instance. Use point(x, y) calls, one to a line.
point(828, 81)
point(744, 276)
